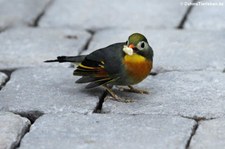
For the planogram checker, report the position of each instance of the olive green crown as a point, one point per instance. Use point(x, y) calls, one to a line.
point(135, 38)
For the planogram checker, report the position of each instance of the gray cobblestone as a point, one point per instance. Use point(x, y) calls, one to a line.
point(205, 17)
point(189, 94)
point(185, 107)
point(108, 131)
point(107, 14)
point(12, 128)
point(23, 47)
point(47, 90)
point(3, 78)
point(210, 134)
point(22, 12)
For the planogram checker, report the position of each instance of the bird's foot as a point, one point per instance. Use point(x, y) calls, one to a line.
point(116, 97)
point(133, 90)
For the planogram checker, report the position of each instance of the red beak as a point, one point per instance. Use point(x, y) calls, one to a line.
point(131, 46)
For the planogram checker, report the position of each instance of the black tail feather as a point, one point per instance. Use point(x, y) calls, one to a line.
point(49, 61)
point(98, 83)
point(72, 59)
point(84, 73)
point(86, 79)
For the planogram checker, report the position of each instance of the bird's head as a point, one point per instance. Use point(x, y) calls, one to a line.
point(138, 44)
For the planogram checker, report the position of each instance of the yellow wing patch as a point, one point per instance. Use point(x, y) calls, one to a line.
point(86, 67)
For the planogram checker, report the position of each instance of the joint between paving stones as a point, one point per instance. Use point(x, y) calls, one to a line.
point(98, 108)
point(17, 145)
point(86, 46)
point(197, 119)
point(32, 116)
point(4, 29)
point(8, 72)
point(194, 129)
point(153, 73)
point(36, 21)
point(184, 19)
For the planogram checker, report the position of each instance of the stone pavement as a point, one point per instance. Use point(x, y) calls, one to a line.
point(42, 107)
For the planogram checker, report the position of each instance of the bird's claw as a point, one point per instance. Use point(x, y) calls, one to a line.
point(116, 97)
point(133, 90)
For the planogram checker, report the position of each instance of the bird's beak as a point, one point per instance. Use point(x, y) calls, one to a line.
point(131, 46)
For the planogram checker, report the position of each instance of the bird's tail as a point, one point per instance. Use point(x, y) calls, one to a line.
point(72, 59)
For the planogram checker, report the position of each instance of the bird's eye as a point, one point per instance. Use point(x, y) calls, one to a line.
point(142, 45)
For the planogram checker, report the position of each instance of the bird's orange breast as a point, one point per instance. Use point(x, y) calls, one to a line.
point(137, 67)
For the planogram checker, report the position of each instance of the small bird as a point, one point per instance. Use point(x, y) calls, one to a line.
point(123, 64)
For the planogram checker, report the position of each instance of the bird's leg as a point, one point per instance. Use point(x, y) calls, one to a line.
point(134, 90)
point(109, 89)
point(117, 98)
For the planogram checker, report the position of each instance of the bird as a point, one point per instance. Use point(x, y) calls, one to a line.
point(119, 64)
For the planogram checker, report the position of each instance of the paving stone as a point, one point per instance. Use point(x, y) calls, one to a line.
point(12, 129)
point(99, 14)
point(210, 134)
point(189, 94)
point(47, 90)
point(3, 78)
point(207, 17)
point(107, 131)
point(174, 49)
point(22, 47)
point(22, 12)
